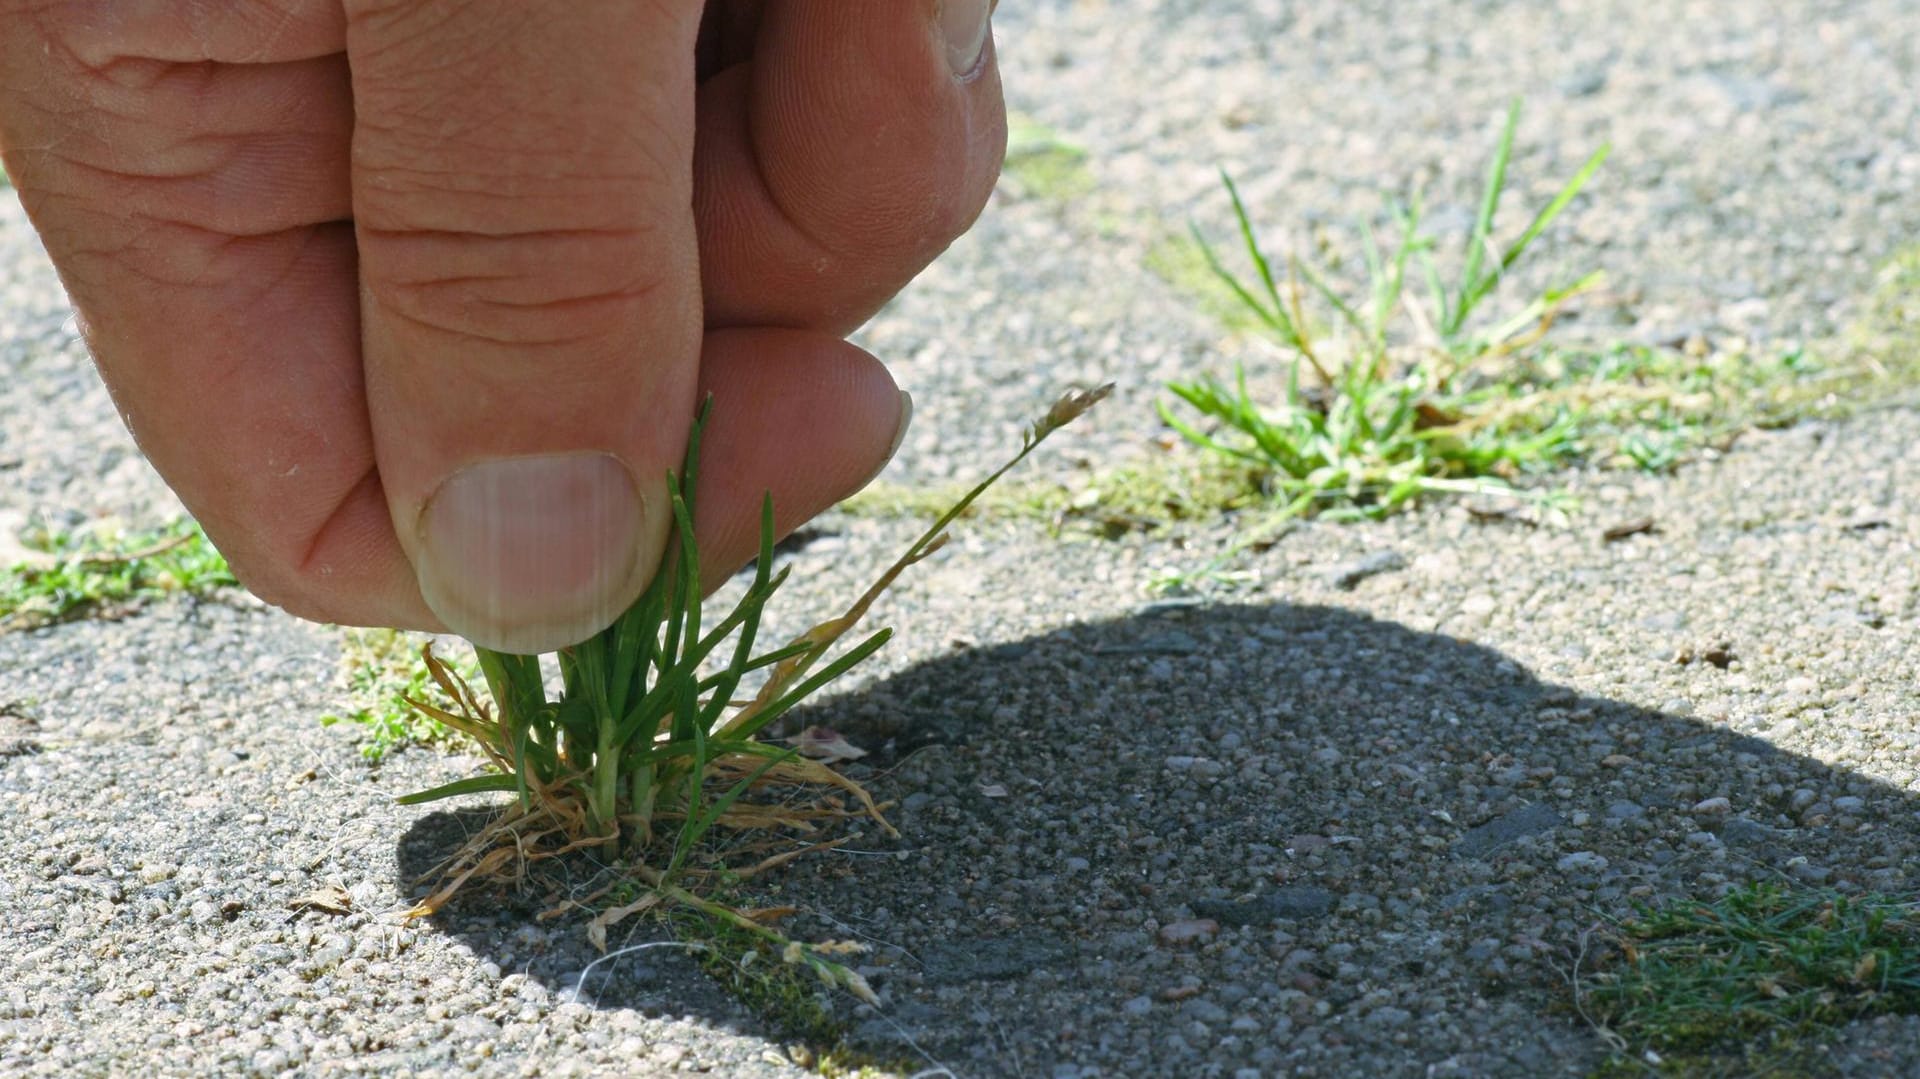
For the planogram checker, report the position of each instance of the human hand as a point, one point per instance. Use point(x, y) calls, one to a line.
point(411, 300)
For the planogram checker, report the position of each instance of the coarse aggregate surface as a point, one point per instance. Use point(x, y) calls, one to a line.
point(1356, 818)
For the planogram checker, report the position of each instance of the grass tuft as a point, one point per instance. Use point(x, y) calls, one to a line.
point(1386, 396)
point(648, 748)
point(1751, 974)
point(1416, 384)
point(62, 576)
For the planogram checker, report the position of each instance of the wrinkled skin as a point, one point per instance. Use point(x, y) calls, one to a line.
point(328, 252)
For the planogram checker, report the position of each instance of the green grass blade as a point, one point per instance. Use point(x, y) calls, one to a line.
point(1340, 305)
point(1196, 396)
point(492, 784)
point(1411, 242)
point(1482, 233)
point(840, 665)
point(1541, 221)
point(768, 659)
point(1383, 288)
point(1553, 209)
point(690, 464)
point(1250, 237)
point(1274, 319)
point(1442, 303)
point(636, 639)
point(688, 570)
point(677, 600)
point(687, 725)
point(763, 586)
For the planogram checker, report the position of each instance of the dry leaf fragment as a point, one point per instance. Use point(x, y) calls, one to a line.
point(1635, 527)
point(856, 983)
point(597, 929)
point(328, 900)
point(1428, 415)
point(1865, 968)
point(770, 915)
point(826, 744)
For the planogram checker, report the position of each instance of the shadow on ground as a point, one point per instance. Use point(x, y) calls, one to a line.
point(1214, 838)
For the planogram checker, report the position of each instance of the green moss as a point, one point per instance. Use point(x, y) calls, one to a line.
point(382, 669)
point(1143, 497)
point(1883, 344)
point(1782, 1057)
point(787, 996)
point(68, 575)
point(1742, 985)
point(1894, 309)
point(1043, 164)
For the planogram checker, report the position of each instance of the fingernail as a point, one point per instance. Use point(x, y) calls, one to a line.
point(899, 436)
point(532, 554)
point(964, 24)
point(906, 421)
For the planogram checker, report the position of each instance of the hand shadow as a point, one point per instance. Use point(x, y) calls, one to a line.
point(1268, 837)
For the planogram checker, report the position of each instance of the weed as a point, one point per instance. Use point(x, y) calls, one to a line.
point(646, 750)
point(383, 674)
point(67, 575)
point(1369, 419)
point(750, 969)
point(1751, 974)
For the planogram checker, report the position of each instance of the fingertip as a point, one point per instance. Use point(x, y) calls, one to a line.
point(841, 161)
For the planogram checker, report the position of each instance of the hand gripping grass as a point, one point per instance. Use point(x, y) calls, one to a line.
point(646, 748)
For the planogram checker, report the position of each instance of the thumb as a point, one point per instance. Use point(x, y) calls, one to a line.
point(530, 297)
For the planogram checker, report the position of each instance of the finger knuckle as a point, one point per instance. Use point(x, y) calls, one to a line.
point(529, 289)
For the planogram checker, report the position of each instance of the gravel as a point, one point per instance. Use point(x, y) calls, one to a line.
point(1356, 818)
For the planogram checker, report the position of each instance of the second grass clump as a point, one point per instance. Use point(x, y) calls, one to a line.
point(1379, 405)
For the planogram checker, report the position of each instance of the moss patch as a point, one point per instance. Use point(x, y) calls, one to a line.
point(1143, 497)
point(61, 576)
point(1043, 164)
point(1745, 984)
point(382, 668)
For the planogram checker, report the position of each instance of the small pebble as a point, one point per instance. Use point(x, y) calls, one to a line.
point(1189, 932)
